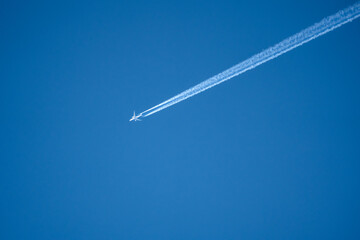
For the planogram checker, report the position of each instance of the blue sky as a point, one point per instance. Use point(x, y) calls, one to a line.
point(271, 154)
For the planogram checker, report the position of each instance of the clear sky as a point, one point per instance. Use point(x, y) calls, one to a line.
point(271, 154)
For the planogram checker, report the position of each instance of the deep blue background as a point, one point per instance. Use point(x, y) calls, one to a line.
point(271, 154)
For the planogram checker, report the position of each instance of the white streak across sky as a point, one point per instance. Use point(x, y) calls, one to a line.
point(324, 26)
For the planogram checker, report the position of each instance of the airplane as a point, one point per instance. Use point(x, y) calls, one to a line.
point(135, 118)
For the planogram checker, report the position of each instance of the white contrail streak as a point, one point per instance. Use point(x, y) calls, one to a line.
point(326, 25)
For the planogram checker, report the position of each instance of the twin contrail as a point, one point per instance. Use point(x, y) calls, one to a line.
point(326, 25)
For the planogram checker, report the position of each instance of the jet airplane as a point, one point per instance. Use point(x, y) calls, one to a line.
point(135, 118)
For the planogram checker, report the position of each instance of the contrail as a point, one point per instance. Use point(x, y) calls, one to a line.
point(324, 26)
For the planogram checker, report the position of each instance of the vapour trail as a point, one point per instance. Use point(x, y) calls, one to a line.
point(324, 26)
